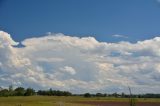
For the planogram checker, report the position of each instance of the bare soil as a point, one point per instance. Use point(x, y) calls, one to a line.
point(107, 103)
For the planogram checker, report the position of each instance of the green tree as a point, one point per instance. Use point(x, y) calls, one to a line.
point(4, 92)
point(10, 88)
point(20, 91)
point(115, 94)
point(11, 91)
point(29, 92)
point(99, 95)
point(87, 95)
point(123, 95)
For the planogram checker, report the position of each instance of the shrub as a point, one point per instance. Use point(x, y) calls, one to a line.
point(87, 95)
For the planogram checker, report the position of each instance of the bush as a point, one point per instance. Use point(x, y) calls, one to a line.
point(87, 95)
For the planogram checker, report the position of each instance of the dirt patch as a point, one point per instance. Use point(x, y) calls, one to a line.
point(107, 103)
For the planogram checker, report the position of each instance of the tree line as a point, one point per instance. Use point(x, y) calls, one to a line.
point(20, 91)
point(51, 92)
point(123, 95)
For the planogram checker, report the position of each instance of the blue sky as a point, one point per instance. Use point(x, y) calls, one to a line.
point(136, 19)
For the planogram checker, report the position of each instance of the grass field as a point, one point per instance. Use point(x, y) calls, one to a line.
point(61, 101)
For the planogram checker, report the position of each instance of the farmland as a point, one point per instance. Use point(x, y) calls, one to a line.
point(73, 101)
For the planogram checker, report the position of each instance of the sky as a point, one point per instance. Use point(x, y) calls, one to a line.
point(81, 45)
point(136, 19)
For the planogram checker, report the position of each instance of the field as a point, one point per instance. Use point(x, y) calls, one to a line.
point(73, 101)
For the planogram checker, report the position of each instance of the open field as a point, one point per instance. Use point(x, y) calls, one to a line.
point(122, 103)
point(72, 101)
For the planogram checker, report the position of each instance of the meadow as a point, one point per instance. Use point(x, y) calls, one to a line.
point(73, 101)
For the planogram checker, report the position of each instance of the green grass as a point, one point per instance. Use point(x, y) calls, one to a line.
point(39, 101)
point(58, 101)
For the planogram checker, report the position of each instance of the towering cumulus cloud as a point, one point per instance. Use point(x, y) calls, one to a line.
point(80, 64)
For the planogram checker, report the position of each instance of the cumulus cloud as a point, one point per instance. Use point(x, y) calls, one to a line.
point(80, 64)
point(6, 39)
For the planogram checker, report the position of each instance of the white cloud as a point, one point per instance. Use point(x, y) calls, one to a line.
point(157, 67)
point(69, 70)
point(50, 59)
point(120, 36)
point(6, 39)
point(80, 64)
